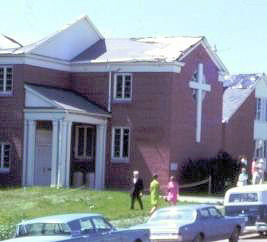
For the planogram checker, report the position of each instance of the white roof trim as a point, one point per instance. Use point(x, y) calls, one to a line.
point(128, 67)
point(56, 64)
point(61, 110)
point(214, 57)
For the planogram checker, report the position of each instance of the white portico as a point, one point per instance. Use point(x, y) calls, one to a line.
point(200, 88)
point(50, 116)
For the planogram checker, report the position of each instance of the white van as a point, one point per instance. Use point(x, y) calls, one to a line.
point(250, 201)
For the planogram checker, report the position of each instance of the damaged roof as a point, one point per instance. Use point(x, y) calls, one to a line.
point(138, 49)
point(81, 42)
point(242, 80)
point(8, 44)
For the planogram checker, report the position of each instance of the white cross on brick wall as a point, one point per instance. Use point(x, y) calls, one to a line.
point(201, 87)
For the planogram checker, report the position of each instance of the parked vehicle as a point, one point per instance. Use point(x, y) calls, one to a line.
point(249, 201)
point(76, 227)
point(192, 223)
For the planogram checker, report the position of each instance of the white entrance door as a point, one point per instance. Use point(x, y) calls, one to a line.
point(43, 157)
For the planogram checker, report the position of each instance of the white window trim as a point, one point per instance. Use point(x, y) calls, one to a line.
point(2, 169)
point(4, 92)
point(84, 156)
point(120, 159)
point(263, 109)
point(263, 153)
point(123, 87)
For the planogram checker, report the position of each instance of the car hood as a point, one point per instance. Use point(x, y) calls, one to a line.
point(38, 238)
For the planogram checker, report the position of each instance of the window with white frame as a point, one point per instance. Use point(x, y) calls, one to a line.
point(84, 142)
point(6, 76)
point(261, 148)
point(5, 150)
point(122, 86)
point(261, 109)
point(120, 143)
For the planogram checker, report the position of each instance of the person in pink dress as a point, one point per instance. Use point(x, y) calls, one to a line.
point(173, 191)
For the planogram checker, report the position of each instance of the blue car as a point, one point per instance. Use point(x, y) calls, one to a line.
point(81, 227)
point(192, 223)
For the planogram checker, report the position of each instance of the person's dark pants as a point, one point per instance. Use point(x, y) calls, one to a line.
point(138, 198)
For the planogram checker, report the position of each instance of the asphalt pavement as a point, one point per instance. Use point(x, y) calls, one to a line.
point(250, 238)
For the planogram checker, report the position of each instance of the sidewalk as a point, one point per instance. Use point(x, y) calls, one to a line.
point(201, 199)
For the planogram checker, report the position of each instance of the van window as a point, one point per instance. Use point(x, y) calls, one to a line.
point(243, 197)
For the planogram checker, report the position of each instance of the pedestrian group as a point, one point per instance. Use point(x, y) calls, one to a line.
point(258, 167)
point(172, 192)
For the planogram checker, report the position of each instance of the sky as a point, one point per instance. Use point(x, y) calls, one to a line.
point(236, 27)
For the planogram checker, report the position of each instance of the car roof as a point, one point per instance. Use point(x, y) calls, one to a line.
point(62, 218)
point(249, 188)
point(186, 207)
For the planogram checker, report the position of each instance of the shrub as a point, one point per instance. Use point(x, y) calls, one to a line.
point(222, 169)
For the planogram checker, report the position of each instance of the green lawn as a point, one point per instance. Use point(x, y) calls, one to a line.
point(19, 203)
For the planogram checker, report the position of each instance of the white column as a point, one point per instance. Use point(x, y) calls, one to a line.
point(55, 147)
point(101, 132)
point(31, 152)
point(25, 153)
point(68, 151)
point(64, 153)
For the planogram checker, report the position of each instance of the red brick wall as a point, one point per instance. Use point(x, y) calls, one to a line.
point(238, 131)
point(147, 115)
point(44, 76)
point(183, 144)
point(11, 112)
point(92, 85)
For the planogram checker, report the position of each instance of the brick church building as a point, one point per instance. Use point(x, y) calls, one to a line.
point(76, 101)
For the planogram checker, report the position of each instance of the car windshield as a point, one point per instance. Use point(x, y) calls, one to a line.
point(188, 215)
point(42, 229)
point(243, 197)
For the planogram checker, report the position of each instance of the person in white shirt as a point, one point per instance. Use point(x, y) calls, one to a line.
point(243, 178)
point(258, 177)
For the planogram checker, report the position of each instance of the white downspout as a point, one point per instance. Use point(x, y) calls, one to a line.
point(109, 91)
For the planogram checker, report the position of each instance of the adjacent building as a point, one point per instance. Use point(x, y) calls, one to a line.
point(245, 116)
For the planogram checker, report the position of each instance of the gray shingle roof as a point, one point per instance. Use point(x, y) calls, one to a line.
point(233, 98)
point(68, 100)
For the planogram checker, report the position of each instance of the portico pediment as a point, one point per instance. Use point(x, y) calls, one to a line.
point(38, 96)
point(35, 100)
